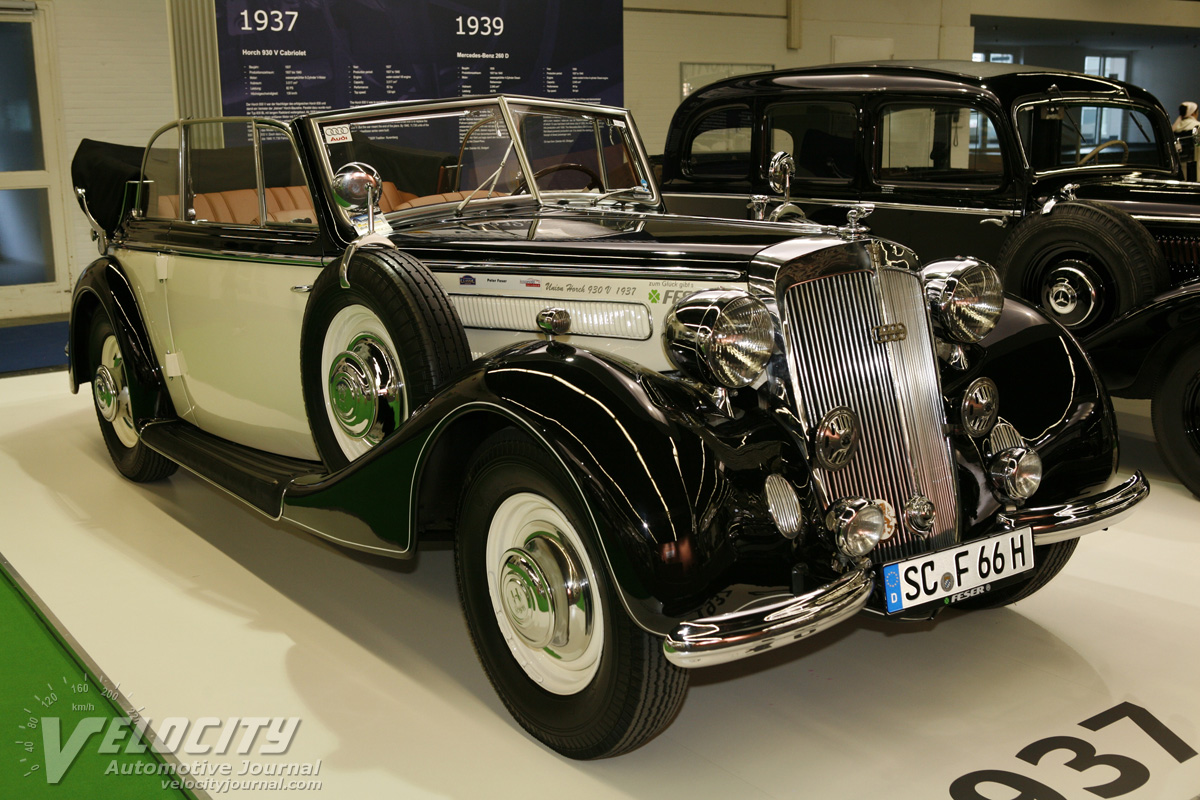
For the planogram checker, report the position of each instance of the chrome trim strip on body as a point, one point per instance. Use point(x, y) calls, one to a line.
point(1071, 520)
point(738, 634)
point(235, 255)
point(673, 273)
point(847, 201)
point(1155, 218)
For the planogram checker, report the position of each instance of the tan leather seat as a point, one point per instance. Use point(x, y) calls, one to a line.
point(285, 204)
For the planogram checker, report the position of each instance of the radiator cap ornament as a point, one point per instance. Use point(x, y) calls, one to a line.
point(836, 438)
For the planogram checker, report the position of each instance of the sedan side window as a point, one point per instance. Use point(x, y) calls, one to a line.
point(938, 144)
point(718, 145)
point(820, 136)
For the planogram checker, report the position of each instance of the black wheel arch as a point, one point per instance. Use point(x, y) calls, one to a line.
point(104, 288)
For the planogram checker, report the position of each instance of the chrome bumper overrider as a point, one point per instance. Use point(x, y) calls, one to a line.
point(728, 637)
point(1057, 523)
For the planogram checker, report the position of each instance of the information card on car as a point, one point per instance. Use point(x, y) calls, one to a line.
point(950, 572)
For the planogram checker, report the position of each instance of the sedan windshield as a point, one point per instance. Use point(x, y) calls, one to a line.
point(1080, 133)
point(469, 153)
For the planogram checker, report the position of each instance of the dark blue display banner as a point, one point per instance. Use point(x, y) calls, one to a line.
point(284, 58)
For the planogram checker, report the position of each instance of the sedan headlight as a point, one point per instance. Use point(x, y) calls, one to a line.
point(720, 336)
point(965, 296)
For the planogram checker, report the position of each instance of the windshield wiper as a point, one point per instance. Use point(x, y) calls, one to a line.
point(491, 180)
point(634, 190)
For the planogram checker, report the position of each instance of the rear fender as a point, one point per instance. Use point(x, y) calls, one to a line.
point(104, 288)
point(1132, 352)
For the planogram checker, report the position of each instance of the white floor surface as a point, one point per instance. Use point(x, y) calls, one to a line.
point(199, 607)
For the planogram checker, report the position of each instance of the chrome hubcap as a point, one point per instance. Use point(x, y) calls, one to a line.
point(364, 390)
point(106, 394)
point(542, 588)
point(110, 393)
point(1070, 293)
point(545, 596)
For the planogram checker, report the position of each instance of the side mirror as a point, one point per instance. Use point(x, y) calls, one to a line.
point(358, 186)
point(780, 172)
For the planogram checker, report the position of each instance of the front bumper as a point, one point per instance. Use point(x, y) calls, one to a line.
point(728, 637)
point(732, 636)
point(1070, 521)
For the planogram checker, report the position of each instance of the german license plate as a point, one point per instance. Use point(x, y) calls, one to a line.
point(937, 575)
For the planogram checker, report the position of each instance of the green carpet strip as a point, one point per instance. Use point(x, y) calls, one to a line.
point(64, 735)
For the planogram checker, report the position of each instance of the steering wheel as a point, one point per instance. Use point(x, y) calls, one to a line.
point(594, 181)
point(1099, 147)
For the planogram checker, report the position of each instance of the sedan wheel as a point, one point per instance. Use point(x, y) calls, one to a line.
point(540, 583)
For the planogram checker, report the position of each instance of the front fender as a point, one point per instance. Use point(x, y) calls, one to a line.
point(103, 287)
point(674, 487)
point(1050, 392)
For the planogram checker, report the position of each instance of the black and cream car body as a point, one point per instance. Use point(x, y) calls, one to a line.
point(658, 442)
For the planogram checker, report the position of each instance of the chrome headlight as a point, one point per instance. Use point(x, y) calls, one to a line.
point(720, 336)
point(1016, 472)
point(857, 525)
point(965, 296)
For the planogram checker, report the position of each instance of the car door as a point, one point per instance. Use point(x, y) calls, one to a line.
point(241, 261)
point(941, 178)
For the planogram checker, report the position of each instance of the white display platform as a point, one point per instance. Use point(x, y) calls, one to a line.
point(200, 607)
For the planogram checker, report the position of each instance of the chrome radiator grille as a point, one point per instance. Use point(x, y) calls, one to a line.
point(837, 360)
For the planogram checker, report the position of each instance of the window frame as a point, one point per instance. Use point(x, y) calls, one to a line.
point(880, 111)
point(186, 192)
point(752, 165)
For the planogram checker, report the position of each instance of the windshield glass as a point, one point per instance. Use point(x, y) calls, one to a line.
point(1078, 133)
point(469, 154)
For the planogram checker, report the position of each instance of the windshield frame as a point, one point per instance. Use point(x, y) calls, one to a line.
point(1164, 139)
point(511, 107)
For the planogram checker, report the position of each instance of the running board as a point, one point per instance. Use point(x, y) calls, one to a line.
point(253, 476)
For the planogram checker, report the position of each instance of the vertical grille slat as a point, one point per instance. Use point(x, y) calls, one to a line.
point(893, 387)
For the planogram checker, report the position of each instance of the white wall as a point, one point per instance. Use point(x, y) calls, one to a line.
point(659, 34)
point(114, 65)
point(113, 62)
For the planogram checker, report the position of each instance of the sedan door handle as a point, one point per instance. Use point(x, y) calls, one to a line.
point(305, 289)
point(999, 222)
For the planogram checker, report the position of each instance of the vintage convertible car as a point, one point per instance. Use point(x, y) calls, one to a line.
point(1071, 184)
point(658, 442)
